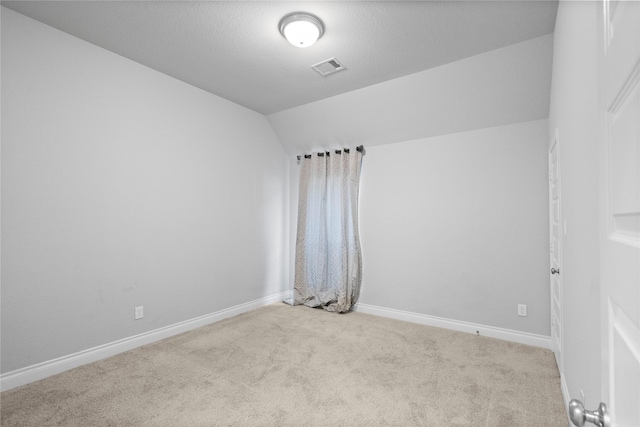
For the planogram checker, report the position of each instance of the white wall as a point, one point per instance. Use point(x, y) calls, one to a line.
point(122, 187)
point(573, 114)
point(456, 226)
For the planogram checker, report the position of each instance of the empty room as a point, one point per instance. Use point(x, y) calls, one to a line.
point(318, 213)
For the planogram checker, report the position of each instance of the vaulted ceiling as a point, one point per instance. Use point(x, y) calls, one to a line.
point(233, 48)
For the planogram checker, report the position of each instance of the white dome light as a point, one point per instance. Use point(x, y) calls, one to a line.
point(301, 29)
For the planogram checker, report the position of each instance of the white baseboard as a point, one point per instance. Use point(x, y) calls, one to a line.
point(565, 390)
point(457, 325)
point(46, 369)
point(565, 397)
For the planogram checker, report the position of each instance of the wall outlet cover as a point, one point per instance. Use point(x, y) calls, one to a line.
point(522, 310)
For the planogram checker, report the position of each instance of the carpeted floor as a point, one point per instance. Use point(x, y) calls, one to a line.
point(296, 366)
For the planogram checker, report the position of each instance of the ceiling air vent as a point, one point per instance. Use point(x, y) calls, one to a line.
point(328, 66)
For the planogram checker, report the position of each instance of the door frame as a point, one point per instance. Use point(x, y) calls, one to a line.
point(556, 297)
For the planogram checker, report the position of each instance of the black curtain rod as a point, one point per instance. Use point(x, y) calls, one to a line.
point(359, 148)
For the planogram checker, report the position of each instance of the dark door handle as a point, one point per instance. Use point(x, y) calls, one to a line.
point(555, 271)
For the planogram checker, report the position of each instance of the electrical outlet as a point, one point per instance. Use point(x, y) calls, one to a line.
point(139, 313)
point(522, 310)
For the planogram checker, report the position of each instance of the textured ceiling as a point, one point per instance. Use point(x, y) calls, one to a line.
point(233, 49)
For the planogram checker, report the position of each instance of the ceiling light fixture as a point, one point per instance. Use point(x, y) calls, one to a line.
point(301, 29)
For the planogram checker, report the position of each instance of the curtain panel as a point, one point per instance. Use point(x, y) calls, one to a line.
point(328, 265)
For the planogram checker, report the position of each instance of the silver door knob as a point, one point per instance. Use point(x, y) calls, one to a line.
point(555, 271)
point(579, 416)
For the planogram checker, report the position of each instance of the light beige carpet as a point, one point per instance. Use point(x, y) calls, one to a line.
point(297, 366)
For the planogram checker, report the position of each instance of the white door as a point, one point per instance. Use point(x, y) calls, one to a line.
point(619, 111)
point(555, 251)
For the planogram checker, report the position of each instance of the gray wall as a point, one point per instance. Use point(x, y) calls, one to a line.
point(573, 114)
point(454, 202)
point(456, 226)
point(123, 187)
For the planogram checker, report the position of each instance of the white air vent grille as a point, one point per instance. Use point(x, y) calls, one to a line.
point(329, 66)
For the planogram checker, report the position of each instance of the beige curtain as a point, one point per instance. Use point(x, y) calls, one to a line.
point(328, 270)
